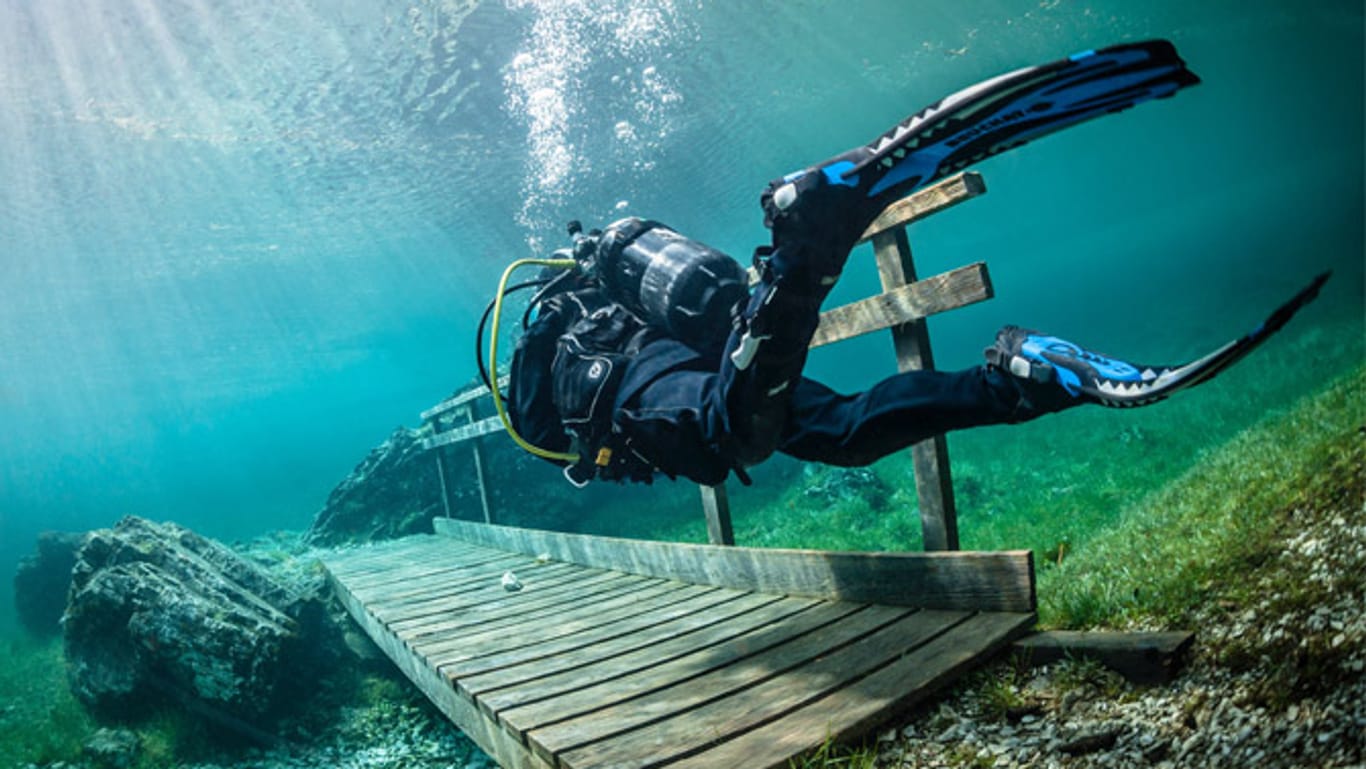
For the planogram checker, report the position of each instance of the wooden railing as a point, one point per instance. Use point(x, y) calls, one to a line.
point(904, 304)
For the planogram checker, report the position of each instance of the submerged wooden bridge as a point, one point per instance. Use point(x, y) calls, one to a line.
point(562, 650)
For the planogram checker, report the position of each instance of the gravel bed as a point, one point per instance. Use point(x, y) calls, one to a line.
point(1275, 681)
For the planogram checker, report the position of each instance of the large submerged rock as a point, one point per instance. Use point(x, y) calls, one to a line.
point(158, 613)
point(396, 490)
point(42, 579)
point(393, 492)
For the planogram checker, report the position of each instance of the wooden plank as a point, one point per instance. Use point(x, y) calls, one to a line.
point(495, 612)
point(417, 589)
point(930, 457)
point(461, 399)
point(1144, 658)
point(482, 427)
point(379, 564)
point(416, 567)
point(694, 681)
point(927, 202)
point(683, 732)
point(571, 617)
point(419, 571)
point(491, 597)
point(870, 702)
point(495, 602)
point(493, 740)
point(716, 508)
point(993, 581)
point(905, 303)
point(544, 652)
point(423, 578)
point(592, 694)
point(355, 559)
point(428, 559)
point(523, 684)
point(457, 625)
point(591, 625)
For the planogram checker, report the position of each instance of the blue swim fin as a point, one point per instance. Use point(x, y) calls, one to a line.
point(1055, 373)
point(977, 122)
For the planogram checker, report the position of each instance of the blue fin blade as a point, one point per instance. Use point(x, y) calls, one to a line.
point(1170, 379)
point(1006, 111)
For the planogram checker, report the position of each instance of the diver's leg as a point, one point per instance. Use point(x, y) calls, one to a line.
point(853, 430)
point(818, 214)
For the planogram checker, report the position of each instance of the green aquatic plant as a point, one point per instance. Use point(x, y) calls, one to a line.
point(998, 691)
point(40, 721)
point(835, 755)
point(1175, 549)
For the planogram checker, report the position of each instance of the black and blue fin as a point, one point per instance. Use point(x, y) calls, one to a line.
point(1005, 112)
point(1049, 362)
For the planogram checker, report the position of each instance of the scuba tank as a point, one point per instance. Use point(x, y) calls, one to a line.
point(685, 288)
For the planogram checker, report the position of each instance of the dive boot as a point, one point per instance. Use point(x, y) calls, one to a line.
point(1054, 373)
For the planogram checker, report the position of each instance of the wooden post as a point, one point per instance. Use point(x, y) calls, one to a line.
point(716, 505)
point(441, 476)
point(479, 466)
point(933, 484)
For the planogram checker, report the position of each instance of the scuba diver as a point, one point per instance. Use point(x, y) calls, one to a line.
point(650, 354)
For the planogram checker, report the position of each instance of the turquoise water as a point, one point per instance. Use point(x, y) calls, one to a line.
point(241, 243)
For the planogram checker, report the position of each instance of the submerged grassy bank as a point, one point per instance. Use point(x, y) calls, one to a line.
point(1205, 533)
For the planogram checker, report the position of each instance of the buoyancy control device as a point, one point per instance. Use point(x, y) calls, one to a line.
point(668, 281)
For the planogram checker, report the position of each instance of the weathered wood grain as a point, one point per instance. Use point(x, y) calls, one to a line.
point(461, 624)
point(869, 702)
point(1145, 658)
point(596, 695)
point(383, 555)
point(488, 589)
point(496, 603)
point(483, 427)
point(995, 581)
point(382, 567)
point(653, 645)
point(425, 585)
point(460, 399)
point(693, 681)
point(604, 627)
point(927, 202)
point(679, 734)
point(628, 670)
point(716, 508)
point(905, 303)
point(573, 617)
point(423, 579)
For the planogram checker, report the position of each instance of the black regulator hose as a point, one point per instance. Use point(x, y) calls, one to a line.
point(484, 320)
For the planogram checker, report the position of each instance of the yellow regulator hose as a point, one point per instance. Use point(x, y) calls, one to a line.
point(493, 358)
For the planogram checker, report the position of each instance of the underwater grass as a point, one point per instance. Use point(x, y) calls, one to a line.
point(41, 722)
point(1204, 532)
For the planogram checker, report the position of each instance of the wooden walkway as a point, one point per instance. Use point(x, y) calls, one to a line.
point(619, 653)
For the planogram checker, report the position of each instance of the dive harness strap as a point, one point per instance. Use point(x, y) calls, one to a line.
point(591, 358)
